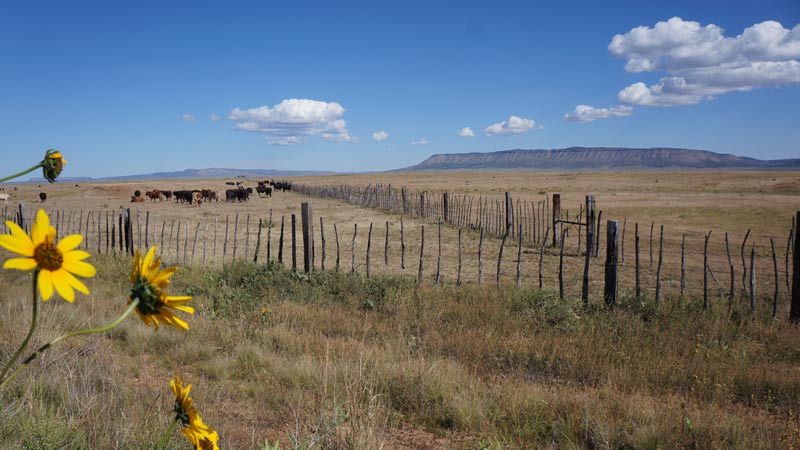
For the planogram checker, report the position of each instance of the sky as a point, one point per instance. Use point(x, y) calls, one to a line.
point(127, 88)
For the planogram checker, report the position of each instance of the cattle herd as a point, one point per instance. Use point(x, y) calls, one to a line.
point(197, 196)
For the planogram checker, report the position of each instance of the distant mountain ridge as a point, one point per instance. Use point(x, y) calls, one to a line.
point(598, 158)
point(198, 173)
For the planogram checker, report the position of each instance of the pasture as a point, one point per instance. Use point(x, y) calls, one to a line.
point(345, 361)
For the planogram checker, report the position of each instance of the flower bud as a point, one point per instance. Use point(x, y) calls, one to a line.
point(53, 164)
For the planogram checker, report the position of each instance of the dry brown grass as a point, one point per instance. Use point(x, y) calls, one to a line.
point(345, 362)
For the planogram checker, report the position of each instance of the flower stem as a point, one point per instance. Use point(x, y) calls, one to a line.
point(24, 344)
point(166, 435)
point(19, 174)
point(55, 341)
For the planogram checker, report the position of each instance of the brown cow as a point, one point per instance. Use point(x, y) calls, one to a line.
point(135, 199)
point(198, 197)
point(154, 195)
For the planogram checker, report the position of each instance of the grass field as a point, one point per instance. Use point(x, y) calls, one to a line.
point(340, 361)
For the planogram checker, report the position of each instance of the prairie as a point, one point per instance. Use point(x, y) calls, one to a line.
point(339, 360)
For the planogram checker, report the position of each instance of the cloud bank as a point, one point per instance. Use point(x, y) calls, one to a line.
point(380, 135)
point(466, 132)
point(586, 113)
point(294, 121)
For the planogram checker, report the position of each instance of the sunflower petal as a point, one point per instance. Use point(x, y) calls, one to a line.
point(40, 227)
point(163, 277)
point(186, 309)
point(45, 284)
point(18, 241)
point(69, 243)
point(147, 262)
point(62, 285)
point(75, 255)
point(75, 283)
point(80, 268)
point(20, 263)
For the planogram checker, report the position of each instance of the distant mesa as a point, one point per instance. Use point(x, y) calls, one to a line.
point(599, 158)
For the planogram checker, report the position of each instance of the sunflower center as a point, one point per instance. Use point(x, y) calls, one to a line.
point(47, 256)
point(205, 443)
point(148, 295)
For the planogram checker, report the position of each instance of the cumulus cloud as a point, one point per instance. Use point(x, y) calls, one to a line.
point(294, 120)
point(421, 141)
point(514, 125)
point(466, 132)
point(380, 135)
point(188, 117)
point(586, 113)
point(214, 117)
point(700, 62)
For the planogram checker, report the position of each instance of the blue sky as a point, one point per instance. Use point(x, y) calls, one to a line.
point(140, 87)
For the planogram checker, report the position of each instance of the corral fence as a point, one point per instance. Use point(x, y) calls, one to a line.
point(568, 259)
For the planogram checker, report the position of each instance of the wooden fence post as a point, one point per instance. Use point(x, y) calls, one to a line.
point(753, 278)
point(280, 240)
point(439, 257)
point(421, 252)
point(369, 246)
point(402, 240)
point(458, 276)
point(353, 249)
point(386, 244)
point(322, 237)
point(445, 206)
point(744, 265)
point(638, 270)
point(589, 219)
point(794, 312)
point(611, 278)
point(730, 264)
point(509, 213)
point(403, 193)
point(556, 218)
point(652, 225)
point(336, 236)
point(705, 271)
point(775, 267)
point(480, 258)
point(294, 243)
point(269, 237)
point(306, 222)
point(660, 264)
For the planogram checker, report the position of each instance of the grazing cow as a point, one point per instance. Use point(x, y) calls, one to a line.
point(135, 199)
point(262, 189)
point(154, 195)
point(183, 196)
point(230, 183)
point(42, 197)
point(198, 197)
point(5, 197)
point(167, 194)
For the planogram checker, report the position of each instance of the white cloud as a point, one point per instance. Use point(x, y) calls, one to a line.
point(294, 120)
point(421, 141)
point(466, 132)
point(188, 117)
point(586, 113)
point(214, 117)
point(701, 62)
point(514, 125)
point(380, 135)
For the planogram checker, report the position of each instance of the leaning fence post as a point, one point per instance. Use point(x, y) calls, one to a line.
point(369, 246)
point(258, 240)
point(336, 236)
point(612, 280)
point(439, 257)
point(403, 238)
point(280, 239)
point(730, 264)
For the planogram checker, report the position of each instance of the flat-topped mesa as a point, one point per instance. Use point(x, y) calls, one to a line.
point(598, 158)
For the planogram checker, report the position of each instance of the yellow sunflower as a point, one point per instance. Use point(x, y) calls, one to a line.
point(57, 263)
point(195, 430)
point(53, 164)
point(148, 286)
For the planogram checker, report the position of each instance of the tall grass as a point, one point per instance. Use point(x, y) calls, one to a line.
point(338, 361)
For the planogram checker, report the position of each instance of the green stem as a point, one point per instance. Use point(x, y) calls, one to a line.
point(166, 435)
point(19, 174)
point(55, 341)
point(30, 331)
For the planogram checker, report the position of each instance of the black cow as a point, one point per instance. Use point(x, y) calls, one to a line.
point(42, 197)
point(267, 190)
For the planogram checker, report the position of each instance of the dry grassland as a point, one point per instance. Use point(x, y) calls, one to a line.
point(342, 362)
